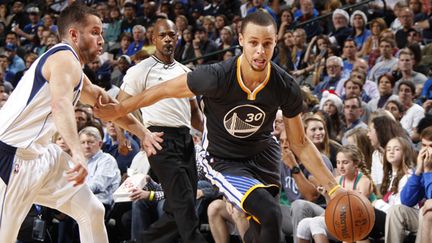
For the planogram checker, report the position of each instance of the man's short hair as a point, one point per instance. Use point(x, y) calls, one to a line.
point(76, 13)
point(259, 17)
point(391, 41)
point(359, 101)
point(92, 132)
point(337, 59)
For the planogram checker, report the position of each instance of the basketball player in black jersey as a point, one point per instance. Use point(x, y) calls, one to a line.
point(240, 98)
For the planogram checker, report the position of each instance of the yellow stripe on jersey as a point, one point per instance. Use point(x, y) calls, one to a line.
point(251, 95)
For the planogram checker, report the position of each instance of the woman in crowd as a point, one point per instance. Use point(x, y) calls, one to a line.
point(370, 46)
point(316, 131)
point(332, 105)
point(381, 130)
point(358, 137)
point(359, 21)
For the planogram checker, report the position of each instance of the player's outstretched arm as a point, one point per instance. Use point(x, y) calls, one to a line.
point(149, 141)
point(174, 88)
point(307, 153)
point(63, 73)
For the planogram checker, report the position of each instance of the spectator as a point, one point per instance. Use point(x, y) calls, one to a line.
point(113, 29)
point(29, 59)
point(202, 46)
point(386, 84)
point(286, 23)
point(350, 54)
point(406, 17)
point(381, 129)
point(214, 7)
point(334, 67)
point(124, 62)
point(413, 112)
point(103, 174)
point(407, 217)
point(28, 32)
point(18, 16)
point(341, 30)
point(395, 108)
point(370, 48)
point(332, 105)
point(388, 62)
point(283, 58)
point(121, 146)
point(129, 20)
point(306, 13)
point(184, 49)
point(358, 21)
point(16, 63)
point(138, 35)
point(4, 94)
point(125, 40)
point(220, 22)
point(149, 13)
point(353, 111)
point(407, 73)
point(49, 23)
point(358, 137)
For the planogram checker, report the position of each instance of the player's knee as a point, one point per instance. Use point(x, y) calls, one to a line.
point(96, 209)
point(215, 208)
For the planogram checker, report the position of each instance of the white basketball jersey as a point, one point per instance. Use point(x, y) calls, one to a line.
point(25, 119)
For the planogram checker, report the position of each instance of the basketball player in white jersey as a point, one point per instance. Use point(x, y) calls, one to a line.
point(31, 169)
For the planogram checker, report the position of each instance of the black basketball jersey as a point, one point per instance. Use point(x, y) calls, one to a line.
point(238, 123)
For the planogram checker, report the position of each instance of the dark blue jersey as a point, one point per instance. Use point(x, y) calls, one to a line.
point(238, 122)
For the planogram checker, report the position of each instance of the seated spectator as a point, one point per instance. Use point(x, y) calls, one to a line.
point(386, 85)
point(407, 217)
point(354, 176)
point(406, 17)
point(120, 145)
point(203, 45)
point(341, 29)
point(388, 62)
point(103, 173)
point(184, 49)
point(413, 112)
point(305, 13)
point(381, 129)
point(332, 105)
point(358, 21)
point(398, 162)
point(138, 36)
point(353, 110)
point(395, 108)
point(406, 72)
point(358, 137)
point(4, 93)
point(354, 88)
point(334, 66)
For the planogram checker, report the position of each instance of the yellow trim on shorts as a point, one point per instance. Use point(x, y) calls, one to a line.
point(248, 192)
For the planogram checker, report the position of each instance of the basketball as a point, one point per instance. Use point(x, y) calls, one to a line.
point(349, 216)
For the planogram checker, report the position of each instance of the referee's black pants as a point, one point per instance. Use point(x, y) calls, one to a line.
point(175, 167)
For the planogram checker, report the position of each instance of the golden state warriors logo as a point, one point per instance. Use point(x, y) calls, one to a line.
point(244, 120)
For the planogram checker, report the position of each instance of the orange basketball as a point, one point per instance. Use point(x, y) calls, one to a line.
point(349, 216)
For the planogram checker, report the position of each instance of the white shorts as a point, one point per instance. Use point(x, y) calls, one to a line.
point(34, 178)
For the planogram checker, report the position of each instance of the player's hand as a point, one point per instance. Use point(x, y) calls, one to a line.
point(151, 142)
point(108, 111)
point(78, 173)
point(137, 194)
point(337, 192)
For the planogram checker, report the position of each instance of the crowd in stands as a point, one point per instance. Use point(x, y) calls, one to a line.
point(365, 71)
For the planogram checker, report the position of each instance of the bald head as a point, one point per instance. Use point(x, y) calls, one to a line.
point(164, 38)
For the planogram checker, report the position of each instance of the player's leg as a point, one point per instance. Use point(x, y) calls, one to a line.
point(18, 185)
point(77, 202)
point(266, 209)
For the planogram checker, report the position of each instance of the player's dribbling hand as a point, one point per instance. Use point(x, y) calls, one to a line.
point(78, 173)
point(107, 111)
point(151, 142)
